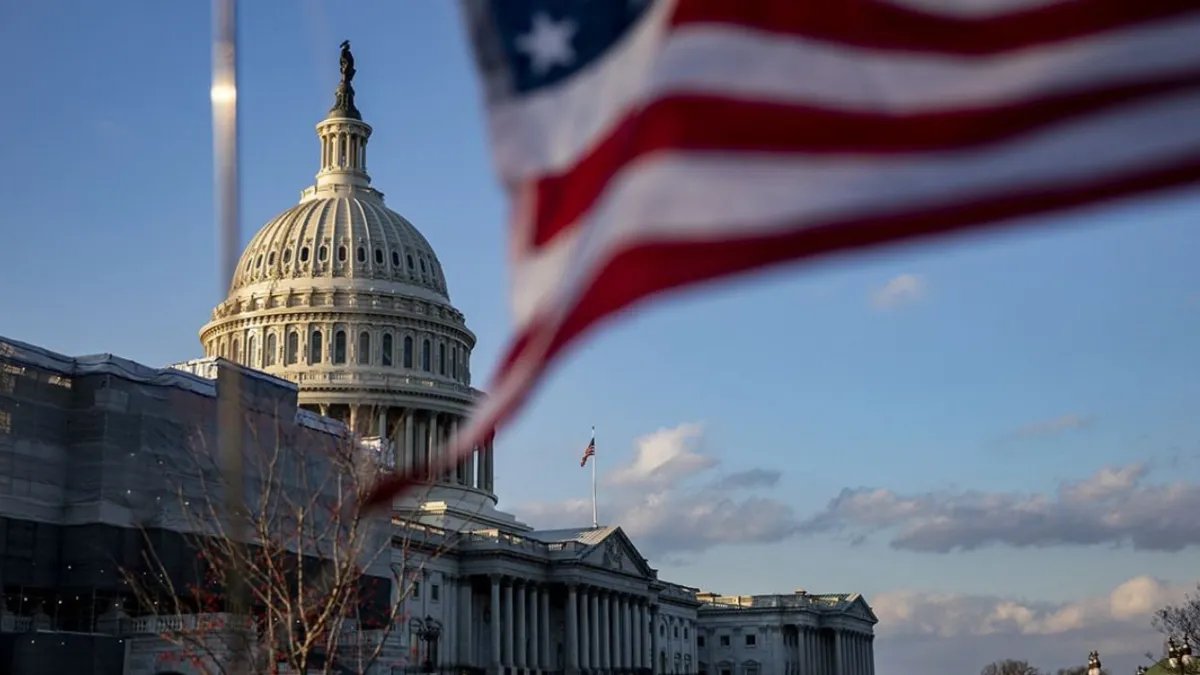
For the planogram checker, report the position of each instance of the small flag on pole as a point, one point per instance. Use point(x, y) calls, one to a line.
point(588, 452)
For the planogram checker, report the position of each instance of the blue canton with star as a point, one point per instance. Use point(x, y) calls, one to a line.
point(547, 41)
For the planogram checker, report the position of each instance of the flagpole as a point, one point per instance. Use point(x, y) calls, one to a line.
point(595, 458)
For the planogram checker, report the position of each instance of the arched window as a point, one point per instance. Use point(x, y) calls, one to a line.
point(395, 258)
point(341, 254)
point(269, 352)
point(339, 347)
point(378, 256)
point(314, 348)
point(364, 348)
point(293, 348)
point(441, 358)
point(233, 351)
point(387, 350)
point(425, 355)
point(304, 254)
point(250, 351)
point(362, 254)
point(454, 362)
point(408, 351)
point(322, 253)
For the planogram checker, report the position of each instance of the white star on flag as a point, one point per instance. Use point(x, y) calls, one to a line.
point(548, 43)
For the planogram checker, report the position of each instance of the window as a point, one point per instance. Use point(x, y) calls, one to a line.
point(314, 348)
point(685, 633)
point(751, 639)
point(364, 348)
point(441, 358)
point(676, 633)
point(454, 362)
point(258, 261)
point(323, 253)
point(287, 255)
point(269, 353)
point(271, 258)
point(408, 351)
point(304, 254)
point(416, 590)
point(293, 348)
point(724, 640)
point(435, 592)
point(395, 258)
point(339, 347)
point(422, 261)
point(341, 254)
point(410, 261)
point(233, 353)
point(250, 351)
point(362, 254)
point(750, 668)
point(387, 349)
point(425, 355)
point(378, 256)
point(699, 640)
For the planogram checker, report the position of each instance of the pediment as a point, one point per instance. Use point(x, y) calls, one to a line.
point(859, 609)
point(616, 552)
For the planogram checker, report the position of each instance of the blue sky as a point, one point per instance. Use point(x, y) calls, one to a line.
point(964, 382)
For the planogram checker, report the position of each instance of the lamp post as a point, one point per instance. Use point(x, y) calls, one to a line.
point(427, 630)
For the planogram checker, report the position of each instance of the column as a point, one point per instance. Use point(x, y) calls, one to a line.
point(639, 633)
point(508, 623)
point(871, 654)
point(838, 643)
point(450, 630)
point(495, 607)
point(618, 628)
point(466, 651)
point(572, 630)
point(603, 645)
point(430, 446)
point(534, 655)
point(519, 661)
point(585, 630)
point(654, 639)
point(614, 633)
point(544, 630)
point(594, 623)
point(626, 634)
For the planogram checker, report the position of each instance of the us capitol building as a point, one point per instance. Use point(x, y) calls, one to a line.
point(342, 305)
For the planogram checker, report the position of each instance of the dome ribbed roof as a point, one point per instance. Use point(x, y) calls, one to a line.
point(352, 236)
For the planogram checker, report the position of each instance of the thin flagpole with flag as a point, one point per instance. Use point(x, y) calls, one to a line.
point(590, 451)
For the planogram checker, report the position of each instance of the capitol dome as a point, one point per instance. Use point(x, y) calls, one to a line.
point(346, 298)
point(349, 236)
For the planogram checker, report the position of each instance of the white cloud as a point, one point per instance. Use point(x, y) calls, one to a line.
point(1115, 505)
point(665, 456)
point(652, 499)
point(898, 291)
point(952, 632)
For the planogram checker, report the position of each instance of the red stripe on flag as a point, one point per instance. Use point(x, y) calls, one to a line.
point(884, 25)
point(714, 123)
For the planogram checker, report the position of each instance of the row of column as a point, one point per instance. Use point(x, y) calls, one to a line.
point(420, 438)
point(832, 652)
point(855, 650)
point(520, 625)
point(343, 150)
point(607, 630)
point(604, 630)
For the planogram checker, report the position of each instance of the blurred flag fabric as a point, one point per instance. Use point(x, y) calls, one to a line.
point(646, 146)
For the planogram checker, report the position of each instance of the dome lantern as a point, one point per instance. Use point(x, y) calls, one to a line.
point(343, 134)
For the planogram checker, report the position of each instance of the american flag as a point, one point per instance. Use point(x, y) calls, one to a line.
point(589, 451)
point(647, 146)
